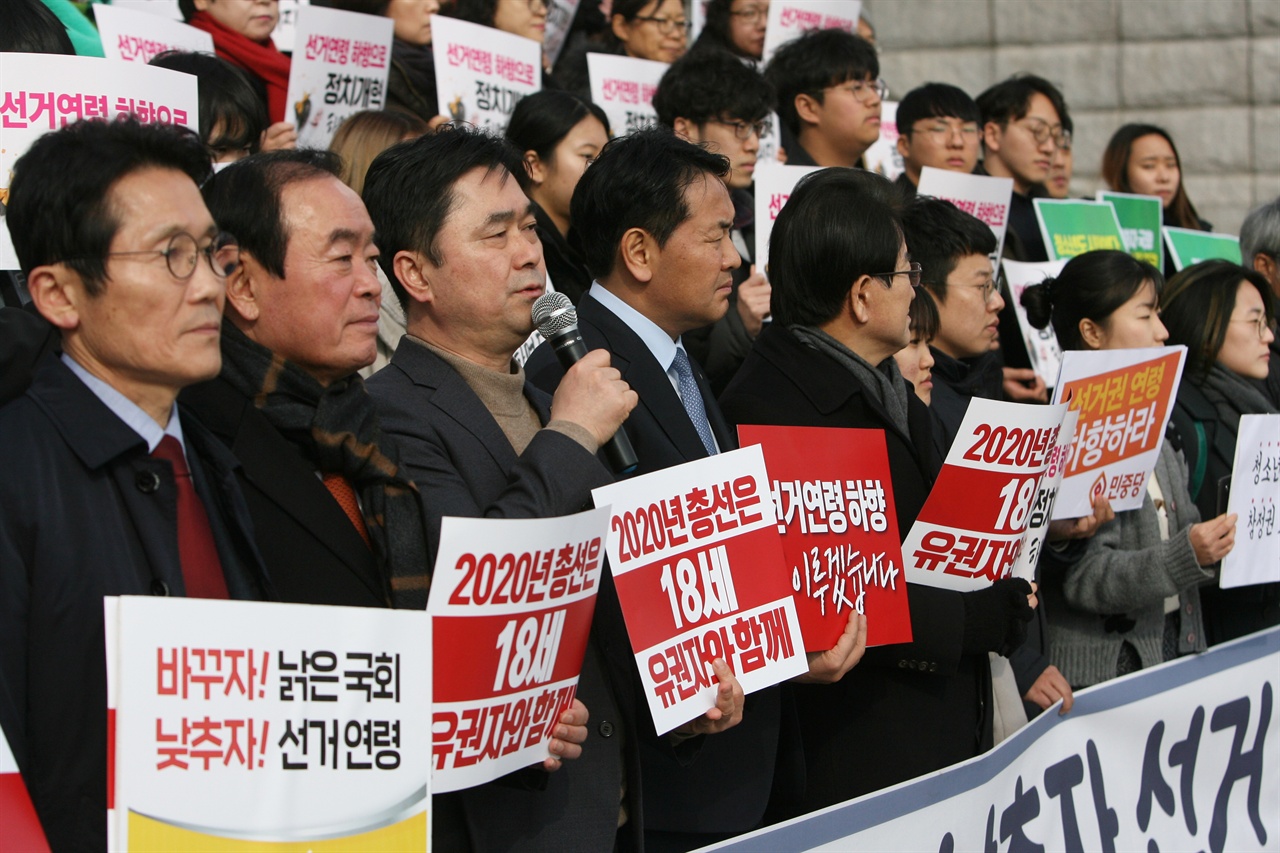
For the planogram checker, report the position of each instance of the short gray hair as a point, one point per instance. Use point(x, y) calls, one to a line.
point(1261, 232)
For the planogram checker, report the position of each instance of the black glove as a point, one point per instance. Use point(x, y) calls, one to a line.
point(995, 618)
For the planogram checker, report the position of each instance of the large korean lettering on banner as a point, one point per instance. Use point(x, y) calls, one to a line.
point(624, 86)
point(970, 530)
point(1189, 246)
point(241, 724)
point(1124, 398)
point(1072, 227)
point(834, 502)
point(984, 196)
point(698, 564)
point(482, 73)
point(774, 184)
point(789, 18)
point(132, 36)
point(1140, 218)
point(1181, 756)
point(40, 93)
point(1042, 344)
point(340, 66)
point(1255, 491)
point(511, 605)
point(21, 827)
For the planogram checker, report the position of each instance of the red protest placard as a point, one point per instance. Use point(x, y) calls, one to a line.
point(19, 825)
point(834, 502)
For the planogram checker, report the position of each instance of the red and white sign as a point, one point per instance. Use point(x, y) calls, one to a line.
point(132, 36)
point(790, 18)
point(774, 184)
point(984, 196)
point(624, 86)
point(970, 530)
point(1124, 398)
point(511, 605)
point(481, 72)
point(21, 827)
point(697, 560)
point(1046, 497)
point(834, 502)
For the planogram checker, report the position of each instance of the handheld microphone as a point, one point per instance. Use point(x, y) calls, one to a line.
point(557, 321)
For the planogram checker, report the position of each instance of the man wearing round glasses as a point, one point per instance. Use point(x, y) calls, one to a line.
point(110, 488)
point(938, 126)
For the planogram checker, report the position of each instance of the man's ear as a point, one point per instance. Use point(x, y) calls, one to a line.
point(57, 292)
point(808, 108)
point(992, 136)
point(413, 270)
point(687, 130)
point(638, 252)
point(1267, 265)
point(858, 302)
point(244, 287)
point(903, 146)
point(535, 167)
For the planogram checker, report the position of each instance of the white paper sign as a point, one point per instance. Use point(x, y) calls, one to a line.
point(1046, 496)
point(790, 18)
point(282, 35)
point(623, 87)
point(482, 73)
point(560, 15)
point(250, 721)
point(774, 184)
point(984, 196)
point(339, 68)
point(1255, 491)
point(883, 157)
point(133, 36)
point(40, 93)
point(1042, 344)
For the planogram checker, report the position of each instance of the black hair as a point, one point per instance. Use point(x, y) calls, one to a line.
point(245, 199)
point(29, 26)
point(60, 198)
point(935, 100)
point(432, 166)
point(1093, 285)
point(228, 101)
point(364, 7)
point(629, 9)
point(814, 62)
point(712, 84)
point(838, 225)
point(542, 119)
point(1197, 304)
point(940, 235)
point(638, 181)
point(187, 8)
point(476, 11)
point(1010, 99)
point(925, 320)
point(715, 28)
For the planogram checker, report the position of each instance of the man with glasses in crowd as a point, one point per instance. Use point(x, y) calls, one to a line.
point(110, 487)
point(829, 94)
point(938, 126)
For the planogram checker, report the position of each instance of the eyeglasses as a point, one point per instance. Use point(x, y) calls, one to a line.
point(1043, 132)
point(988, 287)
point(864, 90)
point(536, 5)
point(1262, 325)
point(752, 14)
point(942, 131)
point(183, 253)
point(744, 129)
point(666, 26)
point(913, 274)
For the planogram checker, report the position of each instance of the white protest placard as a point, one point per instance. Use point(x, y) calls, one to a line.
point(1124, 398)
point(883, 157)
point(22, 829)
point(40, 93)
point(339, 68)
point(770, 142)
point(790, 18)
point(280, 724)
point(1255, 491)
point(970, 530)
point(511, 604)
point(774, 184)
point(697, 561)
point(1042, 344)
point(1046, 495)
point(132, 36)
point(984, 196)
point(623, 87)
point(282, 35)
point(285, 35)
point(560, 14)
point(482, 73)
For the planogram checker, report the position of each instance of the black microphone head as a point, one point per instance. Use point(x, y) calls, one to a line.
point(553, 314)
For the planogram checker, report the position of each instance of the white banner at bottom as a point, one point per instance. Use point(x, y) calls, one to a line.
point(1170, 758)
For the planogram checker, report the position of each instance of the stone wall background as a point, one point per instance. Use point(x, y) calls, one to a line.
point(1208, 71)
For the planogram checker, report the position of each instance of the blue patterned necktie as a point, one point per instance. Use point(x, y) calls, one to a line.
point(691, 398)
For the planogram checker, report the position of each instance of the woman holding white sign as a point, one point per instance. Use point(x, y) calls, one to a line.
point(1129, 597)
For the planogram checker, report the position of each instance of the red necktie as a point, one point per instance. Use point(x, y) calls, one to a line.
point(201, 568)
point(340, 487)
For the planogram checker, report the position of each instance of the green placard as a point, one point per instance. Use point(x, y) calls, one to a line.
point(1072, 227)
point(1189, 246)
point(1141, 217)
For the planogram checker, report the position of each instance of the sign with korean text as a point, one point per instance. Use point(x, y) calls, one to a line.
point(1255, 491)
point(624, 86)
point(1072, 227)
point(1180, 756)
point(969, 532)
point(482, 73)
point(560, 14)
point(790, 18)
point(1140, 218)
point(340, 65)
point(1124, 398)
point(698, 565)
point(1046, 497)
point(276, 724)
point(41, 92)
point(984, 196)
point(1042, 344)
point(22, 830)
point(834, 502)
point(883, 157)
point(1189, 246)
point(132, 36)
point(774, 184)
point(511, 605)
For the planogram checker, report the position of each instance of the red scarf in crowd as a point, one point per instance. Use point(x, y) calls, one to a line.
point(258, 58)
